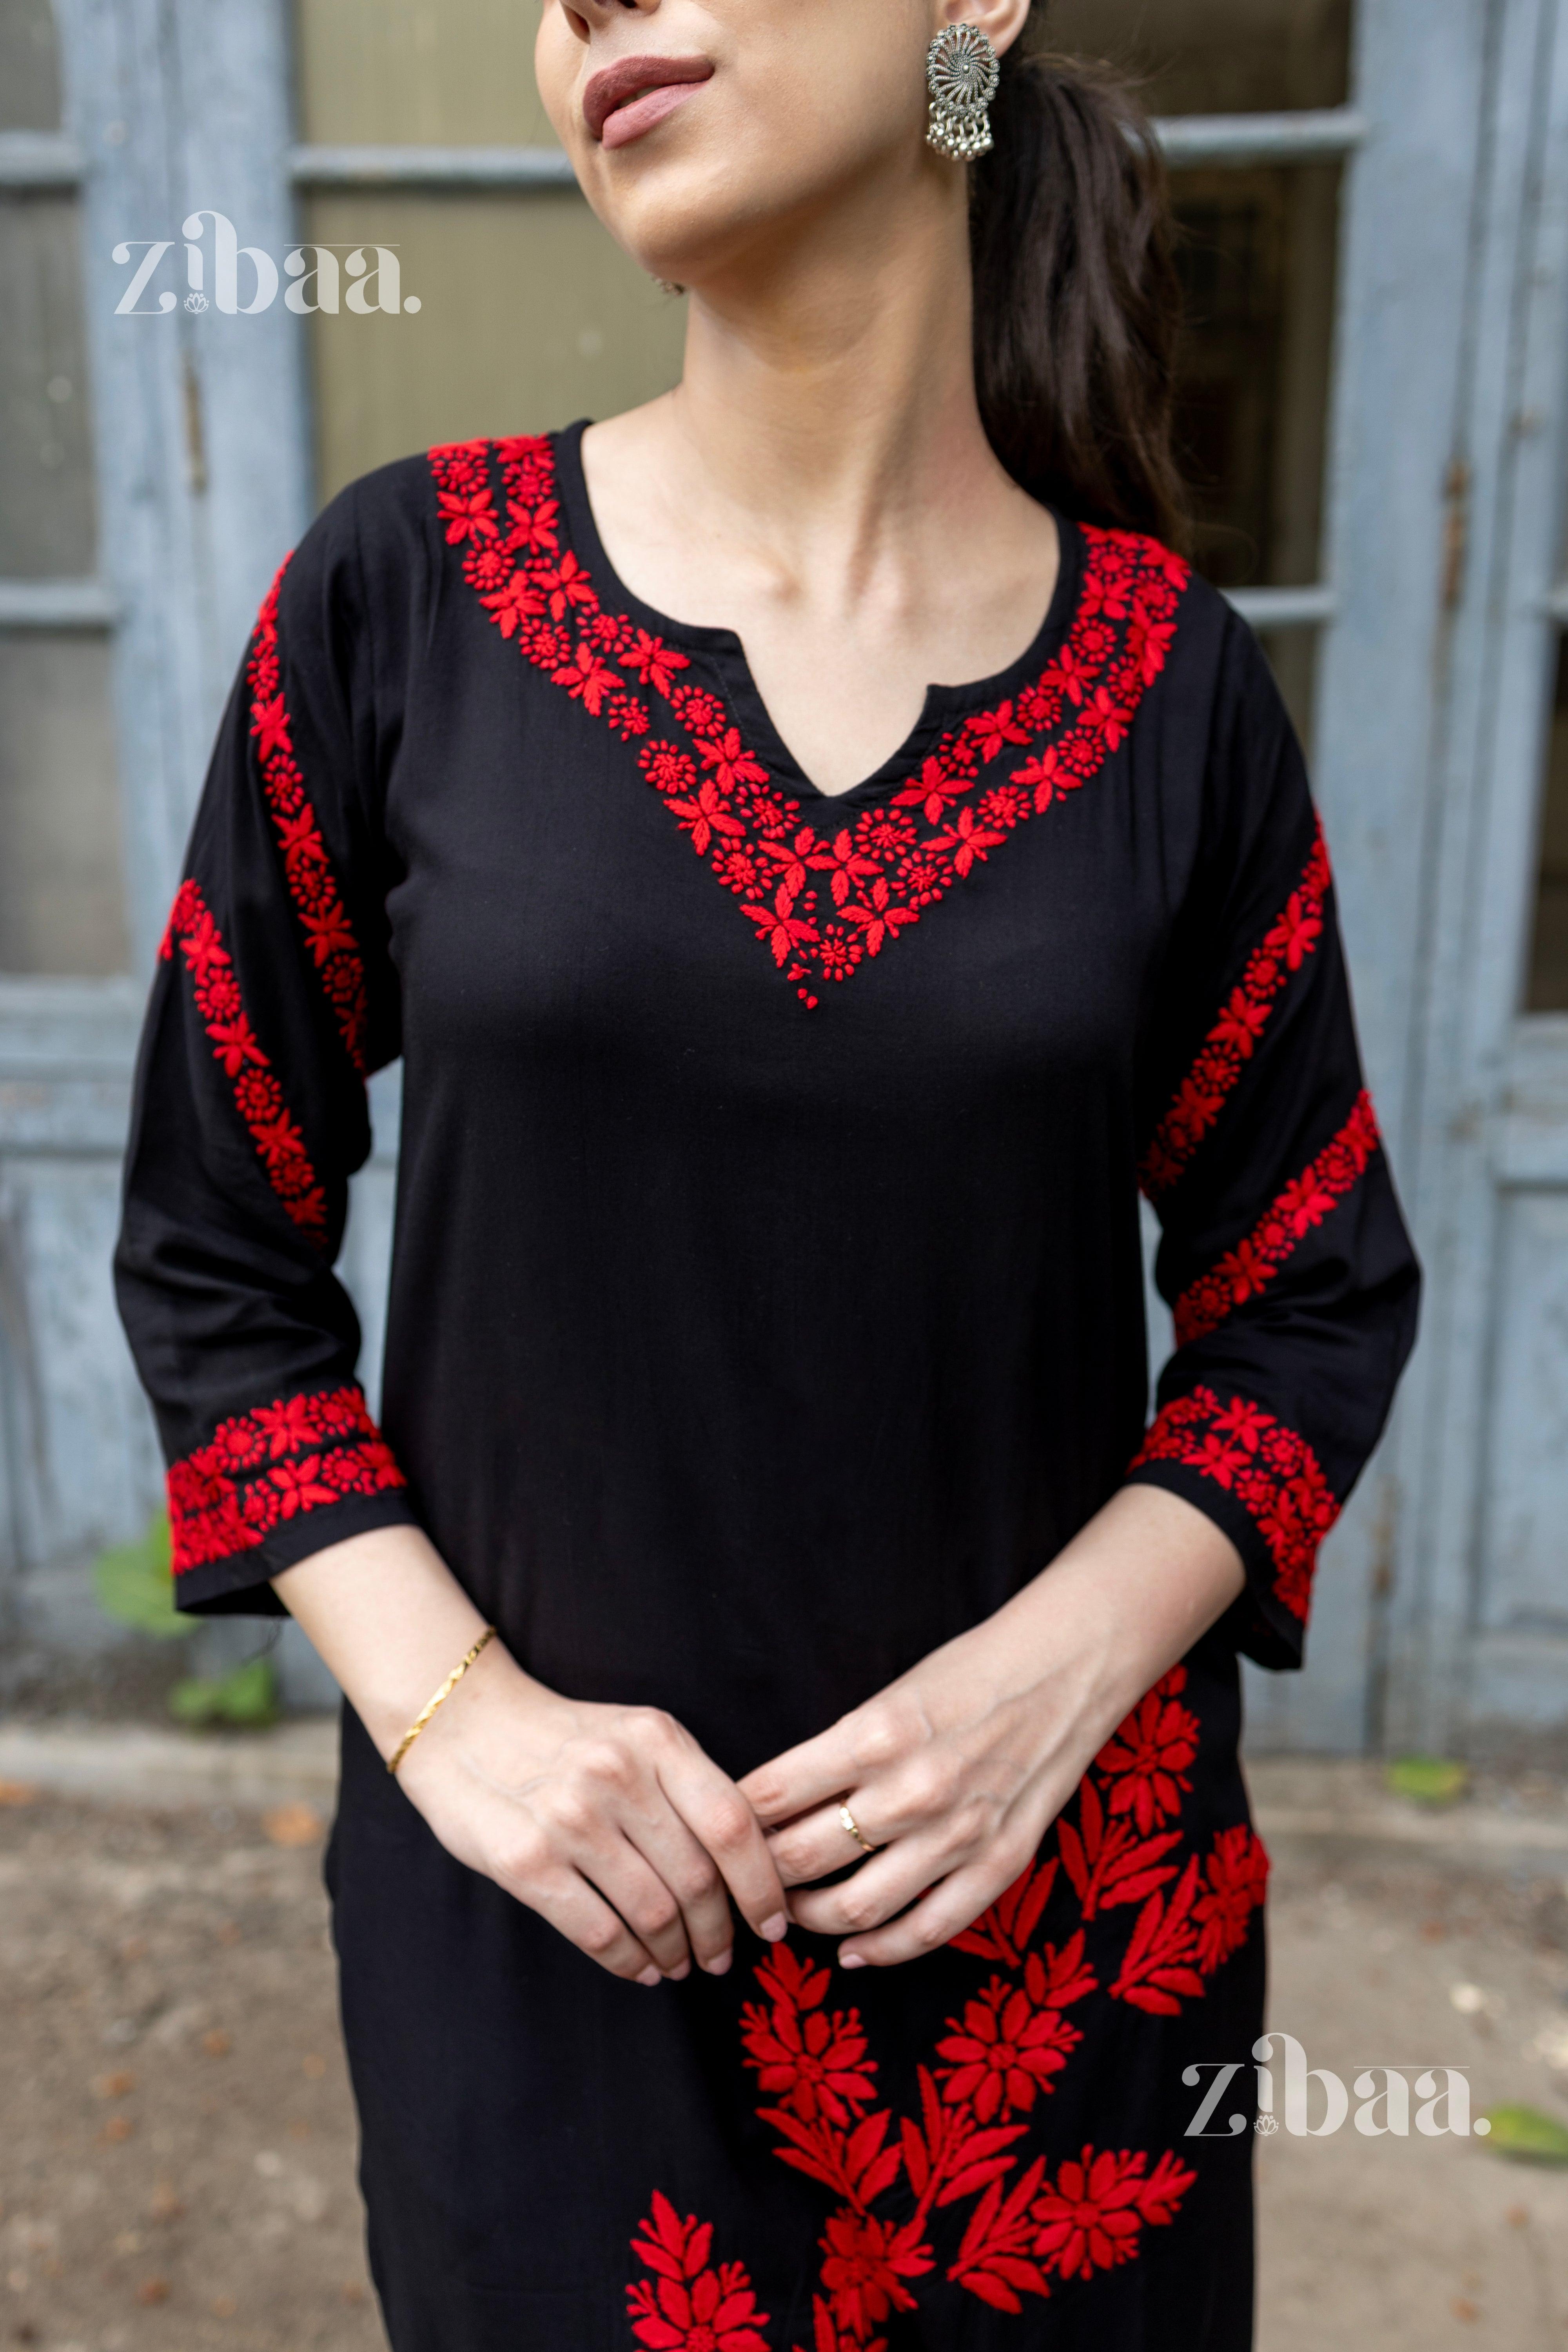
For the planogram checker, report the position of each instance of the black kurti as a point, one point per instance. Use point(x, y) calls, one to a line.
point(766, 1308)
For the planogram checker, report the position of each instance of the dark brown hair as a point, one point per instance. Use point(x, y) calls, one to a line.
point(1077, 300)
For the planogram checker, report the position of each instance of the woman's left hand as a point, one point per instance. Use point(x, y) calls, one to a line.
point(955, 1772)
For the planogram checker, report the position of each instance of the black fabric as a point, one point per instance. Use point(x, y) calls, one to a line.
point(743, 1349)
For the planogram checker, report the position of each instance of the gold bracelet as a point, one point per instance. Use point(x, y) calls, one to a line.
point(447, 1688)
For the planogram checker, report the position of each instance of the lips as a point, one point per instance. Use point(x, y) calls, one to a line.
point(629, 97)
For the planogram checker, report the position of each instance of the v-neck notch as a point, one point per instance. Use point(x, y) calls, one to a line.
point(723, 655)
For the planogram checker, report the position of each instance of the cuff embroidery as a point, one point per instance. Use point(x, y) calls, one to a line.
point(298, 1453)
point(1269, 1469)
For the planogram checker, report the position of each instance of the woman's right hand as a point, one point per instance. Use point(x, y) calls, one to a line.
point(609, 1821)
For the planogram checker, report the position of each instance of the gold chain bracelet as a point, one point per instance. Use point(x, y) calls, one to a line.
point(447, 1688)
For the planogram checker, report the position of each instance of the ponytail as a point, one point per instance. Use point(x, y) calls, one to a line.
point(1076, 300)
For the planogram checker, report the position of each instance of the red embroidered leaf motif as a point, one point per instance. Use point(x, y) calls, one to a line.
point(994, 2261)
point(1002, 1932)
point(1159, 1968)
point(1110, 1863)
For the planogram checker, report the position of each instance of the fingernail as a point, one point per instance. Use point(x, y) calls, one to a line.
point(717, 1968)
point(651, 1977)
point(680, 1975)
point(850, 1960)
point(776, 1929)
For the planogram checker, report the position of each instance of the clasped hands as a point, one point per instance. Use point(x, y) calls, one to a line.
point(614, 1825)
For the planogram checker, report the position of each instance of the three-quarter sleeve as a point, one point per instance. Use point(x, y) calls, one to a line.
point(274, 999)
point(1284, 1258)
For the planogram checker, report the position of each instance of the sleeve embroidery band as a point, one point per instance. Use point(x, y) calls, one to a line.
point(312, 886)
point(298, 1454)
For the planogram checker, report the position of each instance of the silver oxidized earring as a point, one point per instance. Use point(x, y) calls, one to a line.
point(962, 74)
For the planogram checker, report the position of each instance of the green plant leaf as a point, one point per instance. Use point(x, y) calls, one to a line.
point(1429, 1780)
point(135, 1585)
point(243, 1700)
point(1528, 2135)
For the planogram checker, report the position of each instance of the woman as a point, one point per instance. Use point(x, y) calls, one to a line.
point(816, 1918)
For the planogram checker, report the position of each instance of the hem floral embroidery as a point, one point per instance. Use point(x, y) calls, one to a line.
point(1033, 2223)
point(298, 1454)
point(257, 1097)
point(311, 884)
point(1246, 1270)
point(1288, 944)
point(1274, 1473)
point(822, 903)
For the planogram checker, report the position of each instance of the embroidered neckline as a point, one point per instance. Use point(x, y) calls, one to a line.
point(823, 902)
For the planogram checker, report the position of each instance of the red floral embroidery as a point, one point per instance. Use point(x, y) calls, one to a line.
point(297, 1455)
point(878, 874)
point(814, 2061)
point(1149, 1757)
point(1091, 2219)
point(1186, 1934)
point(1252, 1265)
point(1290, 940)
point(1026, 2230)
point(691, 2306)
point(311, 884)
point(1014, 2038)
point(1269, 1469)
point(257, 1096)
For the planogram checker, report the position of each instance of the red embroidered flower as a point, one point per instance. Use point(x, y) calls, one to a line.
point(1005, 2051)
point(812, 2059)
point(846, 864)
point(880, 920)
point(1090, 2221)
point(780, 926)
point(467, 515)
point(655, 662)
point(1150, 1756)
point(866, 2263)
point(932, 791)
point(692, 2308)
point(838, 953)
point(1268, 1467)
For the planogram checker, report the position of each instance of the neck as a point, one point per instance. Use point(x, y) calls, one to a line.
point(828, 391)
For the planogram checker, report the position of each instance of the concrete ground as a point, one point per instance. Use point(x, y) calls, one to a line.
point(176, 2144)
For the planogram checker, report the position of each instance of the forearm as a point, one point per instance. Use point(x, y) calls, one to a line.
point(391, 1620)
point(1120, 1603)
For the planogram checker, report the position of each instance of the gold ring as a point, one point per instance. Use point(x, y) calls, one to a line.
point(853, 1826)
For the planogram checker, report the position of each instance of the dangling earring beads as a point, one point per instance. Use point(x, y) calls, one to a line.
point(962, 74)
